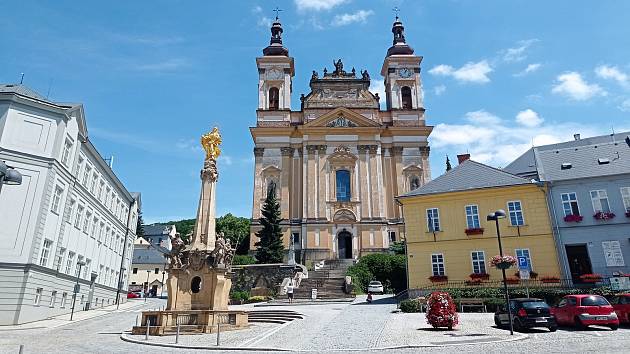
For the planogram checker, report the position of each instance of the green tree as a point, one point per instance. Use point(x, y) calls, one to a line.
point(236, 229)
point(140, 225)
point(397, 247)
point(183, 227)
point(270, 247)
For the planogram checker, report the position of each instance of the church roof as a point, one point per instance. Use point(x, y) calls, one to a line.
point(468, 175)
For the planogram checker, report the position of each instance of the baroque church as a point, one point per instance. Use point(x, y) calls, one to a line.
point(337, 164)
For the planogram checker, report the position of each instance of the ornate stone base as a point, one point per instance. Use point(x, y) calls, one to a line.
point(192, 321)
point(198, 289)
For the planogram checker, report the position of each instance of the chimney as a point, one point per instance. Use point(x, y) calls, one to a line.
point(576, 137)
point(462, 157)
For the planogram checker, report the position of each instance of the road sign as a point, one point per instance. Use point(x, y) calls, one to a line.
point(523, 263)
point(524, 274)
point(620, 283)
point(313, 294)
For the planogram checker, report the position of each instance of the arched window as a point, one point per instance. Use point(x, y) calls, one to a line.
point(414, 183)
point(343, 185)
point(405, 92)
point(274, 98)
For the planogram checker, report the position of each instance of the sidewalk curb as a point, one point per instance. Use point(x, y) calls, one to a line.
point(125, 338)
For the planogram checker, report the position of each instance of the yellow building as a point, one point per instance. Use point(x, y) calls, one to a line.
point(448, 234)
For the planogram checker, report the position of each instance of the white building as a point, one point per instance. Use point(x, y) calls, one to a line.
point(70, 209)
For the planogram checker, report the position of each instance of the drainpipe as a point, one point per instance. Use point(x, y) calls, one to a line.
point(124, 253)
point(556, 232)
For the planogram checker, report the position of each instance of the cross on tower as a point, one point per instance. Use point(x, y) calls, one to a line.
point(277, 11)
point(396, 10)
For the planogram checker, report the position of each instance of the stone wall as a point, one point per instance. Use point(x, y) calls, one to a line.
point(260, 276)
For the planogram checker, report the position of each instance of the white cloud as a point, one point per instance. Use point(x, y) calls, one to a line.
point(317, 5)
point(573, 86)
point(613, 73)
point(378, 87)
point(346, 19)
point(529, 118)
point(529, 69)
point(439, 90)
point(501, 143)
point(625, 105)
point(482, 117)
point(470, 72)
point(164, 66)
point(262, 20)
point(518, 53)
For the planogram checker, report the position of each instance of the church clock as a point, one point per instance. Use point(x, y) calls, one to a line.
point(405, 73)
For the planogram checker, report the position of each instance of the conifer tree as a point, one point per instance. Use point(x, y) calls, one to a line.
point(140, 225)
point(270, 247)
point(448, 164)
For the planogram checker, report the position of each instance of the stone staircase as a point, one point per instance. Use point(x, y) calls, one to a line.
point(274, 316)
point(328, 280)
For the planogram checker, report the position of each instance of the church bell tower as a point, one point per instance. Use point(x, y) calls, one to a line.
point(275, 78)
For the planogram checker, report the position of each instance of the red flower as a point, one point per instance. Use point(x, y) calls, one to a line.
point(441, 310)
point(600, 215)
point(474, 231)
point(573, 218)
point(480, 276)
point(438, 278)
point(549, 279)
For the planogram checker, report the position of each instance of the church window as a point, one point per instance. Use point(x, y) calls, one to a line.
point(343, 185)
point(414, 183)
point(405, 92)
point(274, 98)
point(195, 285)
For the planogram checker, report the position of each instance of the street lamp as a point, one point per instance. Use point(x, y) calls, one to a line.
point(77, 287)
point(500, 214)
point(163, 274)
point(9, 175)
point(146, 293)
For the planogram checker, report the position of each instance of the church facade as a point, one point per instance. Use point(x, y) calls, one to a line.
point(337, 164)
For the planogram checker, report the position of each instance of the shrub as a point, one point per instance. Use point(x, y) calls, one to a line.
point(441, 310)
point(410, 306)
point(239, 295)
point(389, 269)
point(243, 259)
point(254, 299)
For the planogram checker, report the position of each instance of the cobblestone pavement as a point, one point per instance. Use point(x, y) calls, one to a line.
point(327, 328)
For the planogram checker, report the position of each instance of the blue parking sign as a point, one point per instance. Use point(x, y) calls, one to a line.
point(523, 263)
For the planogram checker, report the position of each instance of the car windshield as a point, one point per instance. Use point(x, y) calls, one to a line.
point(594, 301)
point(375, 283)
point(534, 304)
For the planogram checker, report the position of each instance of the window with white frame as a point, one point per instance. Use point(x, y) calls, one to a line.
point(56, 199)
point(73, 204)
point(69, 262)
point(472, 217)
point(570, 204)
point(100, 273)
point(43, 259)
point(86, 175)
point(86, 269)
point(433, 219)
point(53, 298)
point(79, 217)
point(515, 209)
point(625, 195)
point(524, 252)
point(94, 227)
point(77, 268)
point(80, 166)
point(600, 201)
point(64, 297)
point(93, 183)
point(38, 296)
point(101, 184)
point(478, 262)
point(59, 258)
point(437, 264)
point(107, 196)
point(86, 221)
point(65, 153)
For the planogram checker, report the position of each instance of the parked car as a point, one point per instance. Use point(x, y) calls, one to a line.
point(133, 295)
point(621, 304)
point(375, 286)
point(526, 313)
point(585, 310)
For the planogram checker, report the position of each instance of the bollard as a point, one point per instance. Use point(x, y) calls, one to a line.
point(218, 330)
point(137, 320)
point(146, 336)
point(177, 335)
point(21, 349)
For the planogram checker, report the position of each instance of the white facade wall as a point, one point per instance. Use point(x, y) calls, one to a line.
point(46, 213)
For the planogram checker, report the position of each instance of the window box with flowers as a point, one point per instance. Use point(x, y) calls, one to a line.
point(474, 231)
point(503, 262)
point(591, 278)
point(475, 281)
point(512, 280)
point(549, 279)
point(601, 215)
point(532, 274)
point(480, 276)
point(573, 218)
point(438, 278)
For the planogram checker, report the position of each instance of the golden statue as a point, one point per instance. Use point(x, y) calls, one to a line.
point(210, 143)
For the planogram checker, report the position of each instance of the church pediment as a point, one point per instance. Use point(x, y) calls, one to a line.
point(342, 118)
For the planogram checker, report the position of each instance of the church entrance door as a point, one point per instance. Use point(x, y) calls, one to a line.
point(344, 245)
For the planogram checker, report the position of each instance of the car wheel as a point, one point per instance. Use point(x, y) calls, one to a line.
point(553, 328)
point(516, 325)
point(497, 322)
point(614, 327)
point(579, 324)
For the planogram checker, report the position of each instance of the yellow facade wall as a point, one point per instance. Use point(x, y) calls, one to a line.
point(456, 246)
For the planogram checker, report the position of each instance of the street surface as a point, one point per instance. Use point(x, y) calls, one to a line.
point(326, 328)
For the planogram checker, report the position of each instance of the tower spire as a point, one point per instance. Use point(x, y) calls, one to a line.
point(275, 43)
point(399, 45)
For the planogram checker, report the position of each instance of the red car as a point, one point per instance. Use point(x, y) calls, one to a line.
point(585, 310)
point(132, 295)
point(621, 304)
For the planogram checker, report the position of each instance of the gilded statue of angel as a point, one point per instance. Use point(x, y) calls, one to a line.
point(211, 142)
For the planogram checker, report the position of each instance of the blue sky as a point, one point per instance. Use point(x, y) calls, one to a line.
point(154, 75)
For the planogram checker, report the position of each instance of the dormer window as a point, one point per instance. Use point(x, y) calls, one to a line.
point(274, 98)
point(405, 93)
point(566, 165)
point(603, 161)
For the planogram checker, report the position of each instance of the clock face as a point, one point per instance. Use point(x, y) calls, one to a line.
point(405, 72)
point(275, 74)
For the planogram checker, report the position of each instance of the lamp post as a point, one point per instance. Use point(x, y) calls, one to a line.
point(500, 214)
point(146, 293)
point(76, 288)
point(163, 273)
point(9, 175)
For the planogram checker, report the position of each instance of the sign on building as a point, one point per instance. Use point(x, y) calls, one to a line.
point(612, 254)
point(620, 283)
